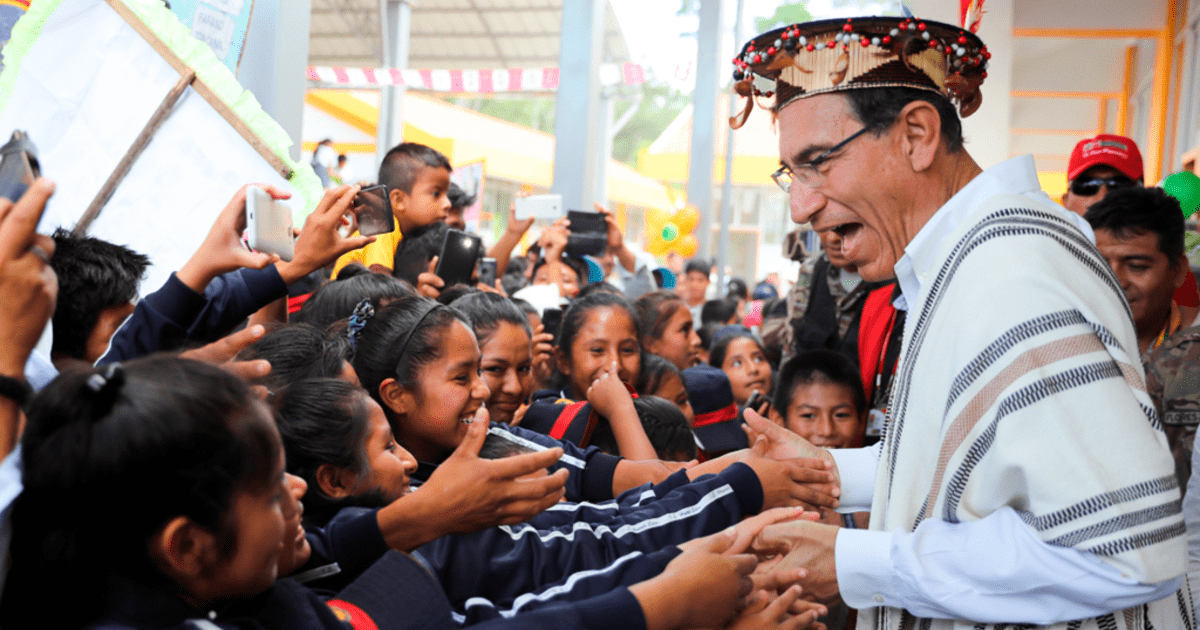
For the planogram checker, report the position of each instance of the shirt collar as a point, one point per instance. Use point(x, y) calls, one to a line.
point(1014, 176)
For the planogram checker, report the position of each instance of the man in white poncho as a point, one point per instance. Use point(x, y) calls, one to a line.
point(1024, 478)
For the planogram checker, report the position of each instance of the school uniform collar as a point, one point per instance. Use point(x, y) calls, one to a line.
point(135, 604)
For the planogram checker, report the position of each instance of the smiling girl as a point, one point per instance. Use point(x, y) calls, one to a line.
point(744, 360)
point(506, 352)
point(666, 328)
point(183, 469)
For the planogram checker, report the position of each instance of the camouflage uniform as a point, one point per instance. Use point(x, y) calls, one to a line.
point(1173, 381)
point(849, 304)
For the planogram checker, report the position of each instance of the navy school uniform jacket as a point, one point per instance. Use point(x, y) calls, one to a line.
point(175, 314)
point(395, 593)
point(504, 570)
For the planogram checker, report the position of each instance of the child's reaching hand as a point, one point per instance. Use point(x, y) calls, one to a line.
point(785, 612)
point(700, 586)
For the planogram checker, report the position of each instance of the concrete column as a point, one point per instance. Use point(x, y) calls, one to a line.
point(394, 31)
point(604, 134)
point(704, 112)
point(577, 108)
point(727, 182)
point(987, 130)
point(274, 62)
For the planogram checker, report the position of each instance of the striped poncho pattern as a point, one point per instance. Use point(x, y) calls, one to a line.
point(1019, 385)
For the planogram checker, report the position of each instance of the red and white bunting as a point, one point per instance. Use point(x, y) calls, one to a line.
point(460, 81)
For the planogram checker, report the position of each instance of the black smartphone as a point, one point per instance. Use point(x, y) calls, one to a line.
point(456, 263)
point(487, 271)
point(374, 210)
point(551, 318)
point(587, 222)
point(755, 400)
point(18, 167)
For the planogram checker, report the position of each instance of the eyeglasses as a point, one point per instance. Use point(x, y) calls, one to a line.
point(807, 173)
point(1089, 187)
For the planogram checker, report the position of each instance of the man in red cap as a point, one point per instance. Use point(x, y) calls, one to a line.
point(1099, 165)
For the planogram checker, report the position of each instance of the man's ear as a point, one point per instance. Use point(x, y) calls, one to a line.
point(1184, 270)
point(921, 126)
point(336, 482)
point(184, 550)
point(396, 398)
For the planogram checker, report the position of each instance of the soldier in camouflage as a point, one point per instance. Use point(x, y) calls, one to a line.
point(1173, 381)
point(823, 306)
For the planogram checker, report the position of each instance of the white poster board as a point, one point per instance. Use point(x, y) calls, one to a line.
point(84, 91)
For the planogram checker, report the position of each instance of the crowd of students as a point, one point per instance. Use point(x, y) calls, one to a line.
point(395, 451)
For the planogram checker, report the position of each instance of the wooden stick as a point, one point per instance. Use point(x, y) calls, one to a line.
point(135, 150)
point(202, 88)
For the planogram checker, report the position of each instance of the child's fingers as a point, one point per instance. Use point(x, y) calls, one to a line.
point(780, 606)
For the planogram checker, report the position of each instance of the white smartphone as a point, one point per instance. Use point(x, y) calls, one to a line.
point(268, 224)
point(539, 207)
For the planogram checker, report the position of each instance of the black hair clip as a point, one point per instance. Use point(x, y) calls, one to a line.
point(358, 320)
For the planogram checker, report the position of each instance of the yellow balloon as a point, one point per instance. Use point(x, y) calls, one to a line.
point(687, 246)
point(656, 245)
point(655, 219)
point(686, 219)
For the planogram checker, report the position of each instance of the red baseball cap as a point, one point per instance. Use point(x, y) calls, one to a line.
point(1106, 149)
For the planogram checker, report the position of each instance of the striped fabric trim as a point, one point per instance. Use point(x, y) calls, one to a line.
point(1026, 396)
point(1028, 361)
point(517, 531)
point(550, 593)
point(1005, 342)
point(1138, 541)
point(996, 224)
point(1100, 502)
point(513, 437)
point(1186, 606)
point(1118, 523)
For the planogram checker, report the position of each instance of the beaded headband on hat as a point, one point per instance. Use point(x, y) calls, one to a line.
point(812, 58)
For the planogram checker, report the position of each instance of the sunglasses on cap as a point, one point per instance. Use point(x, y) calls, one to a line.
point(1089, 187)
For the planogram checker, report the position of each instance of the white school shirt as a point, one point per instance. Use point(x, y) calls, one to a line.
point(954, 570)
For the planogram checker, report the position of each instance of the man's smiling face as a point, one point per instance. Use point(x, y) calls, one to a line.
point(861, 193)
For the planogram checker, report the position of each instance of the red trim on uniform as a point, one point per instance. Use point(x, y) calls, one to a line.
point(347, 612)
point(564, 420)
point(713, 417)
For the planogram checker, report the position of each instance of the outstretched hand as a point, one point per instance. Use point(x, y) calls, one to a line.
point(223, 353)
point(474, 494)
point(28, 286)
point(222, 250)
point(783, 444)
point(321, 241)
point(783, 612)
point(707, 583)
point(803, 544)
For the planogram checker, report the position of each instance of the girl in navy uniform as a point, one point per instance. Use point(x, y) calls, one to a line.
point(154, 495)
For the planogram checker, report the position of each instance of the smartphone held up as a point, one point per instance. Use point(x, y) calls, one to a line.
point(268, 224)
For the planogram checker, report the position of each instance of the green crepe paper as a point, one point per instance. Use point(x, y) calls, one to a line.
point(24, 33)
point(196, 55)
